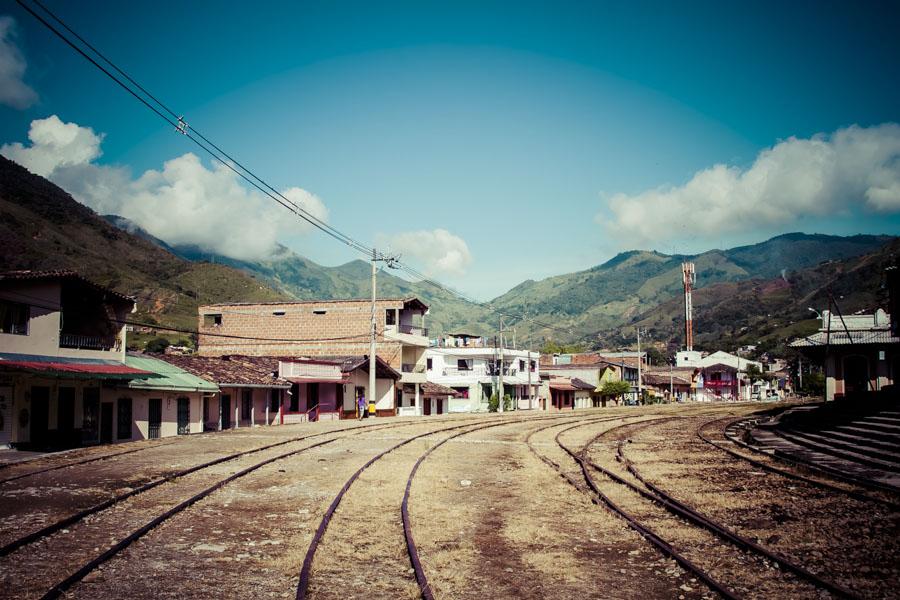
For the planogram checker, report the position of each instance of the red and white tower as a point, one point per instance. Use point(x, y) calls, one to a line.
point(690, 278)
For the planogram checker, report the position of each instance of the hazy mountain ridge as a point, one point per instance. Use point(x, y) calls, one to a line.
point(42, 227)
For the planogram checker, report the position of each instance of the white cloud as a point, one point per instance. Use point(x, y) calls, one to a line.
point(183, 203)
point(441, 251)
point(13, 91)
point(854, 169)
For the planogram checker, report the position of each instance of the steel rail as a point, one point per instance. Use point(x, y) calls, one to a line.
point(808, 464)
point(77, 462)
point(411, 547)
point(788, 474)
point(688, 512)
point(71, 519)
point(647, 533)
point(61, 587)
point(306, 570)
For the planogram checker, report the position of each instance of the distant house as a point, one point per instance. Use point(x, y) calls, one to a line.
point(565, 393)
point(860, 353)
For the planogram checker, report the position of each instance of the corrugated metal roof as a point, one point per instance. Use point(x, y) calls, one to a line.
point(840, 338)
point(168, 376)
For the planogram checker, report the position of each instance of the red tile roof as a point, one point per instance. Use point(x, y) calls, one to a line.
point(233, 371)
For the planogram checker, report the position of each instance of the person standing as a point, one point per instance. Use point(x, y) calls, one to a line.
point(361, 407)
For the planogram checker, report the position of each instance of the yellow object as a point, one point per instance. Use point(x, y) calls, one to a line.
point(371, 408)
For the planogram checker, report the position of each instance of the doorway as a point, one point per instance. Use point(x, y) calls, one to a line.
point(154, 418)
point(90, 415)
point(184, 416)
point(40, 414)
point(426, 406)
point(65, 415)
point(106, 423)
point(225, 411)
point(6, 406)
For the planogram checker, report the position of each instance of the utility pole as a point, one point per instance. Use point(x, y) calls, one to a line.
point(640, 384)
point(800, 370)
point(389, 261)
point(373, 332)
point(671, 385)
point(500, 406)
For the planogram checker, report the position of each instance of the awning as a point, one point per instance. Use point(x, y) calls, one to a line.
point(53, 366)
point(167, 377)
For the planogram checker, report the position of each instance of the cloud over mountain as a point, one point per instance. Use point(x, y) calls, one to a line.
point(183, 203)
point(441, 251)
point(14, 91)
point(855, 169)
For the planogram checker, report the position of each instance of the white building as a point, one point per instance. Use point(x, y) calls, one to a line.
point(466, 364)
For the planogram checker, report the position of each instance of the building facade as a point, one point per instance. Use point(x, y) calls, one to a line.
point(471, 368)
point(321, 329)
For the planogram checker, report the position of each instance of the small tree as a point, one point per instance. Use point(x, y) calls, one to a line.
point(494, 402)
point(615, 389)
point(157, 345)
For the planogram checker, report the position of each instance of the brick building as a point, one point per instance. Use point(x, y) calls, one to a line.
point(323, 328)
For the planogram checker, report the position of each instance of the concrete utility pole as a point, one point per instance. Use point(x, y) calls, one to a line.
point(640, 384)
point(389, 261)
point(671, 385)
point(373, 332)
point(500, 386)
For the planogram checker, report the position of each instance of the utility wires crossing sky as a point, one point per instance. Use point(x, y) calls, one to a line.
point(178, 122)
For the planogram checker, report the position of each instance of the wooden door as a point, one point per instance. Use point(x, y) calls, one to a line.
point(90, 420)
point(106, 423)
point(440, 406)
point(65, 415)
point(426, 406)
point(154, 418)
point(6, 407)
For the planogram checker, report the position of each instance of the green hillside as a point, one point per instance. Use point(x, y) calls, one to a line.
point(43, 227)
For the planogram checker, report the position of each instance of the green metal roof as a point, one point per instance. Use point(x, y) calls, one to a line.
point(168, 377)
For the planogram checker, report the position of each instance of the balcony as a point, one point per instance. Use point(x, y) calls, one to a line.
point(411, 335)
point(412, 373)
point(413, 330)
point(88, 342)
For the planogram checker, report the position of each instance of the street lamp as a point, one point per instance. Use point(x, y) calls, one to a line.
point(818, 314)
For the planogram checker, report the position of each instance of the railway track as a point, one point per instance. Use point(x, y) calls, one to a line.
point(98, 531)
point(75, 463)
point(688, 512)
point(412, 550)
point(599, 497)
point(856, 494)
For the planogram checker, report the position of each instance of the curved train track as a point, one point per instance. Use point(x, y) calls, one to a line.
point(412, 550)
point(679, 509)
point(60, 587)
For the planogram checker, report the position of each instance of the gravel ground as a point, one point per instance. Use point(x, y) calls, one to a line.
point(489, 517)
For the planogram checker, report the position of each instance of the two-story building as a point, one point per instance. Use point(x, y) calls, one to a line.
point(471, 367)
point(326, 329)
point(62, 353)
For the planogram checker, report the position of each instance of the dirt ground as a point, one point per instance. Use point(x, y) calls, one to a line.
point(489, 517)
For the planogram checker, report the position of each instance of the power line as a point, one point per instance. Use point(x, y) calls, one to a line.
point(180, 125)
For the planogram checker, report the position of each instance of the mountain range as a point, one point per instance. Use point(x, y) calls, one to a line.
point(43, 227)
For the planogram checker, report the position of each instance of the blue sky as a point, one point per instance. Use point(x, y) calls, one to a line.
point(541, 137)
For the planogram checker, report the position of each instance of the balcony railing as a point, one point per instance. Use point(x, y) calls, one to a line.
point(87, 342)
point(413, 368)
point(412, 330)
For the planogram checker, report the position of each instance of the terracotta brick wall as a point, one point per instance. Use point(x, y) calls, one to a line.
point(343, 329)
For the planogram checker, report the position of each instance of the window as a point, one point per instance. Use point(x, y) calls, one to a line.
point(533, 364)
point(428, 364)
point(521, 365)
point(14, 317)
point(124, 420)
point(463, 364)
point(212, 320)
point(278, 313)
point(390, 317)
point(320, 311)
